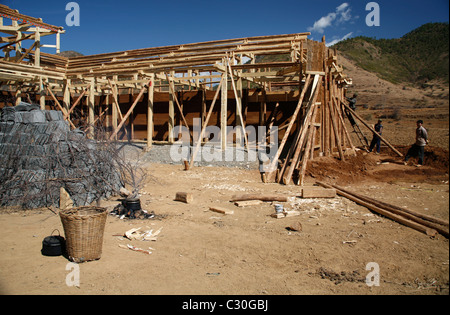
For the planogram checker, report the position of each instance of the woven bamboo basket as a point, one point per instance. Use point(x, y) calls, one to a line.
point(83, 229)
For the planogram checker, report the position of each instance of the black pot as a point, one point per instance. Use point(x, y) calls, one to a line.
point(132, 204)
point(53, 245)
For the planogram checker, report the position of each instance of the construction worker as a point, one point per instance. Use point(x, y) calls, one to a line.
point(352, 105)
point(418, 148)
point(376, 141)
point(352, 101)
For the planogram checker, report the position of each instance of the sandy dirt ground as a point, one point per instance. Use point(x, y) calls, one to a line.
point(249, 252)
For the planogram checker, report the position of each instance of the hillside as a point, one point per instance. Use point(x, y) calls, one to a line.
point(414, 59)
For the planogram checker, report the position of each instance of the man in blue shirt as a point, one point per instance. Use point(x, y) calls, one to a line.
point(376, 141)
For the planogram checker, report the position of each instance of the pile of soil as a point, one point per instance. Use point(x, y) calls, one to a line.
point(365, 166)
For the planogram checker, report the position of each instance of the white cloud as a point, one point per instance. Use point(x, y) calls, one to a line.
point(339, 40)
point(323, 23)
point(342, 7)
point(341, 15)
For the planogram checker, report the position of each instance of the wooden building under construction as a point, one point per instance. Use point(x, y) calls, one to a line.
point(288, 81)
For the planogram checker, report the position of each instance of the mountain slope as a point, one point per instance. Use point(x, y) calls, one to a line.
point(418, 57)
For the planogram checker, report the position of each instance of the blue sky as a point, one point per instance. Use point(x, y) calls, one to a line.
point(112, 25)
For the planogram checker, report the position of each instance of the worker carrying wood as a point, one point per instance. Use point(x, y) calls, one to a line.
point(376, 141)
point(418, 148)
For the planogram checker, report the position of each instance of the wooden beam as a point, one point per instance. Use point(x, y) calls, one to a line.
point(238, 106)
point(172, 89)
point(91, 110)
point(371, 129)
point(130, 110)
point(26, 53)
point(116, 109)
point(308, 122)
point(224, 109)
point(309, 143)
point(67, 115)
point(272, 167)
point(398, 218)
point(205, 124)
point(336, 131)
point(59, 106)
point(150, 108)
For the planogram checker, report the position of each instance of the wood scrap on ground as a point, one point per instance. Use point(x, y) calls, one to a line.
point(248, 203)
point(259, 197)
point(135, 234)
point(285, 214)
point(184, 197)
point(221, 210)
point(136, 249)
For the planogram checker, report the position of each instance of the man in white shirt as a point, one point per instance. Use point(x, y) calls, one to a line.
point(418, 148)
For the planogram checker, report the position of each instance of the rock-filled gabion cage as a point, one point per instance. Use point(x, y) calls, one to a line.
point(39, 154)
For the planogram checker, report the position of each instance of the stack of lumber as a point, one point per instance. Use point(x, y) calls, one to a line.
point(424, 223)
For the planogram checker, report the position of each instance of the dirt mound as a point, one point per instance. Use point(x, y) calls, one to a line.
point(386, 167)
point(354, 168)
point(437, 158)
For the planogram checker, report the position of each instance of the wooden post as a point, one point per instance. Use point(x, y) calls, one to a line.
point(203, 91)
point(41, 93)
point(200, 137)
point(263, 110)
point(58, 42)
point(91, 106)
point(59, 106)
point(136, 101)
point(238, 109)
point(67, 115)
point(66, 100)
point(37, 51)
point(171, 123)
point(180, 108)
point(224, 107)
point(150, 124)
point(115, 105)
point(336, 132)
